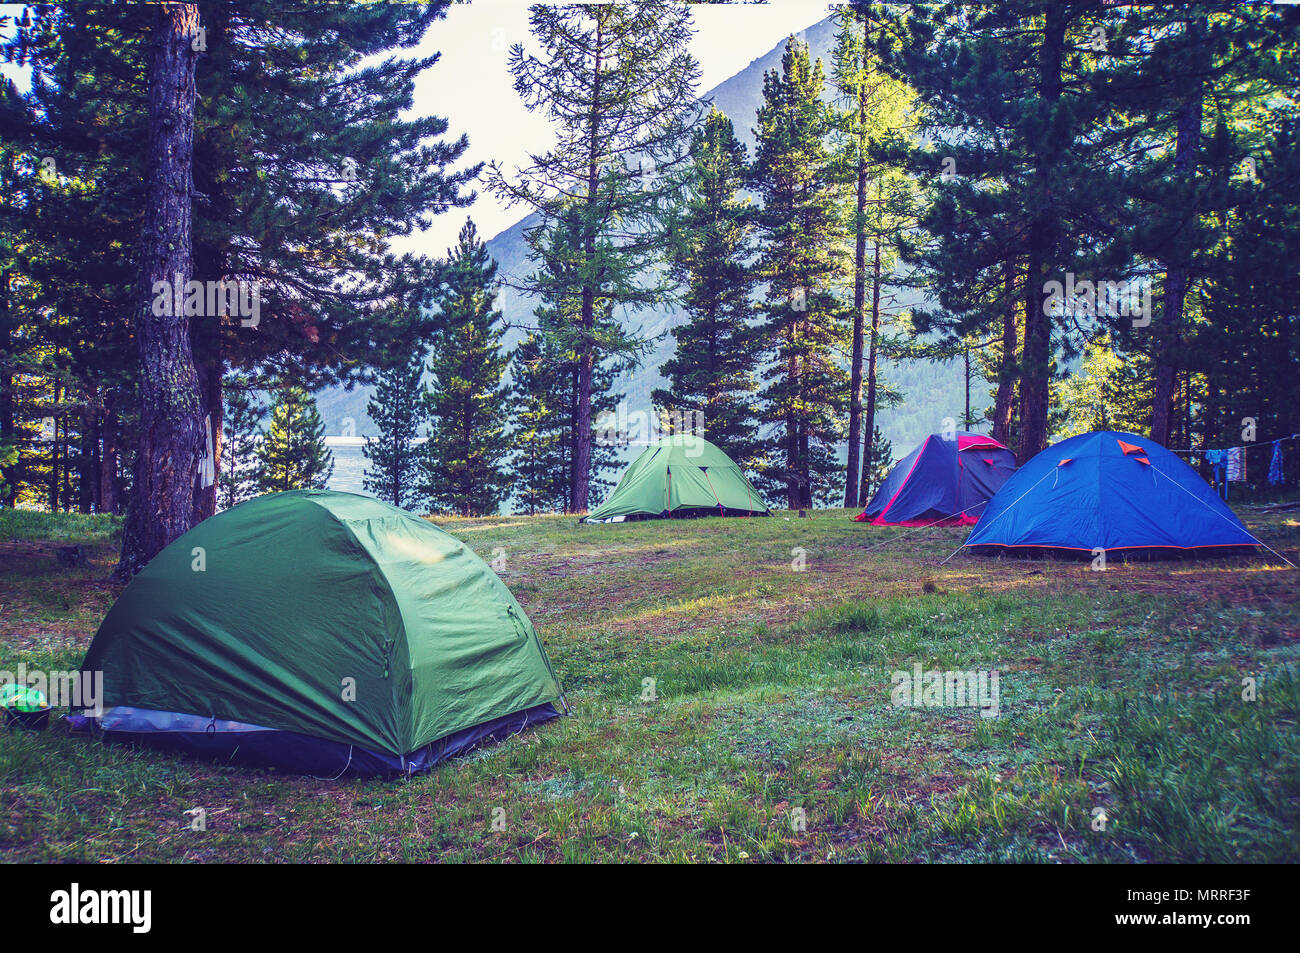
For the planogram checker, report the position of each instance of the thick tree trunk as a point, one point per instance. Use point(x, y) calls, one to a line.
point(853, 477)
point(873, 353)
point(1036, 367)
point(1034, 393)
point(1169, 332)
point(171, 407)
point(1162, 400)
point(1003, 403)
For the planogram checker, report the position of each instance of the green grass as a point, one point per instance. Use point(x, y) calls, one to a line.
point(1122, 735)
point(65, 528)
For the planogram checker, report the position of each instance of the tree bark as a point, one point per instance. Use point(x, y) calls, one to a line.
point(88, 459)
point(873, 348)
point(792, 470)
point(852, 478)
point(171, 407)
point(108, 453)
point(967, 423)
point(8, 430)
point(586, 345)
point(1003, 403)
point(1042, 245)
point(1169, 333)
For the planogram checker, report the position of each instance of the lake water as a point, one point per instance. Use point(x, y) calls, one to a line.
point(349, 463)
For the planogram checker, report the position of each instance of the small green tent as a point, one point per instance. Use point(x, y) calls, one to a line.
point(681, 475)
point(321, 632)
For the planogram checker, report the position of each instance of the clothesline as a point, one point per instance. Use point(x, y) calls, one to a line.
point(1229, 463)
point(1243, 446)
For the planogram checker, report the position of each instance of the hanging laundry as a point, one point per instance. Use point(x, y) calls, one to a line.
point(1216, 459)
point(1275, 465)
point(1236, 464)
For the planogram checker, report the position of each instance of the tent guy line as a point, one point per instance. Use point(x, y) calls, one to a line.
point(1003, 513)
point(915, 529)
point(1220, 515)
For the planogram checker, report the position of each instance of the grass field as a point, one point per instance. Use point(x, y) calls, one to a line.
point(1123, 734)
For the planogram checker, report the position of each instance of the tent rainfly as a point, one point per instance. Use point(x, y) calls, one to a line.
point(946, 481)
point(322, 633)
point(680, 475)
point(1108, 492)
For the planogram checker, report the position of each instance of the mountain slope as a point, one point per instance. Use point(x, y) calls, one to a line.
point(932, 391)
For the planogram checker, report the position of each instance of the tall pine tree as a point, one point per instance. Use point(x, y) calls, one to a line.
point(467, 403)
point(292, 454)
point(712, 371)
point(618, 82)
point(540, 469)
point(801, 260)
point(170, 439)
point(308, 162)
point(397, 408)
point(554, 358)
point(875, 109)
point(243, 428)
point(1021, 197)
point(1196, 104)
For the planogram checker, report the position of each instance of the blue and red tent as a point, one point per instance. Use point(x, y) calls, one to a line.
point(1109, 491)
point(946, 481)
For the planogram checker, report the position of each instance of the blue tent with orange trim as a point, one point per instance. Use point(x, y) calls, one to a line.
point(946, 481)
point(1110, 491)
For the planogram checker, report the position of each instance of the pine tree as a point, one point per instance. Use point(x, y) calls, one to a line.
point(555, 377)
point(712, 371)
point(1021, 194)
point(802, 262)
point(327, 164)
point(540, 470)
point(307, 162)
point(467, 403)
point(619, 83)
point(68, 195)
point(1109, 392)
point(292, 454)
point(875, 109)
point(170, 438)
point(1245, 349)
point(242, 425)
point(1194, 105)
point(546, 403)
point(397, 408)
point(876, 463)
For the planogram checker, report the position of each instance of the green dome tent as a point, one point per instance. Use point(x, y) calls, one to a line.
point(680, 475)
point(320, 632)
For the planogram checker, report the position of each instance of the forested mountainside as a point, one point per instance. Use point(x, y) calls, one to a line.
point(931, 391)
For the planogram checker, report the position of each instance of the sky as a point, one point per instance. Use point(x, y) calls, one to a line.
point(471, 87)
